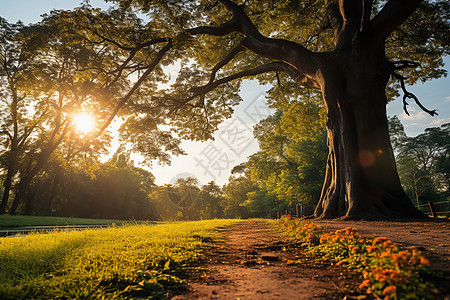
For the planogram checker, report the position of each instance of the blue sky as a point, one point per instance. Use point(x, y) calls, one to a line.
point(213, 160)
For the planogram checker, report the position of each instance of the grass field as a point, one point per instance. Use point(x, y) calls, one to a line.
point(121, 262)
point(20, 221)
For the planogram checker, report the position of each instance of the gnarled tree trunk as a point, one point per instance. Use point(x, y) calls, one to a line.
point(361, 179)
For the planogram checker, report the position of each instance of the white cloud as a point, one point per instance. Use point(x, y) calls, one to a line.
point(447, 99)
point(412, 116)
point(439, 122)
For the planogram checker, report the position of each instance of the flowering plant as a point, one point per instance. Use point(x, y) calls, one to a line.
point(389, 270)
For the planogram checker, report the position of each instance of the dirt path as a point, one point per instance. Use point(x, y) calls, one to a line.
point(252, 263)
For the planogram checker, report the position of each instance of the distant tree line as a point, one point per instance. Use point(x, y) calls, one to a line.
point(423, 162)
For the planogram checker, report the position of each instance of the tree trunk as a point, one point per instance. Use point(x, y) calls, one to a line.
point(6, 190)
point(10, 172)
point(361, 180)
point(20, 191)
point(25, 181)
point(40, 163)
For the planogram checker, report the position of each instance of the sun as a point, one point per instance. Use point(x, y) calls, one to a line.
point(84, 122)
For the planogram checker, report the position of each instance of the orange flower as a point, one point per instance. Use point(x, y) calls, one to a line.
point(402, 257)
point(424, 261)
point(392, 289)
point(384, 254)
point(355, 249)
point(364, 284)
point(379, 240)
point(387, 243)
point(370, 249)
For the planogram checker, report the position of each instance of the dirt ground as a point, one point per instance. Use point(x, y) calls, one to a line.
point(253, 263)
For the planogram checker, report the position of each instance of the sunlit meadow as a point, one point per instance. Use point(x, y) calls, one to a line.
point(131, 261)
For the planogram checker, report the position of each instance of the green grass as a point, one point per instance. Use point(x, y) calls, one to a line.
point(121, 262)
point(20, 221)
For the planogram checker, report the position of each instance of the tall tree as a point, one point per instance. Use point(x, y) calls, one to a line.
point(179, 200)
point(74, 61)
point(422, 161)
point(16, 128)
point(235, 192)
point(348, 50)
point(291, 160)
point(211, 201)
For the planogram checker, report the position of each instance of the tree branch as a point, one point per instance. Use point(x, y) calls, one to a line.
point(278, 49)
point(392, 15)
point(405, 64)
point(222, 30)
point(6, 132)
point(136, 85)
point(367, 10)
point(23, 138)
point(269, 67)
point(104, 38)
point(335, 18)
point(352, 15)
point(225, 61)
point(123, 47)
point(279, 66)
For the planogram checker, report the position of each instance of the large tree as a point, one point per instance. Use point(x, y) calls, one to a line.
point(85, 60)
point(292, 153)
point(347, 50)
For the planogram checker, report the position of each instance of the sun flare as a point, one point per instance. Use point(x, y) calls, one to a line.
point(84, 122)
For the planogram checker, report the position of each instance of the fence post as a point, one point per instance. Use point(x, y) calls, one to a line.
point(432, 209)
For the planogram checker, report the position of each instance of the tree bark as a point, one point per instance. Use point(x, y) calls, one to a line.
point(10, 172)
point(6, 190)
point(361, 180)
